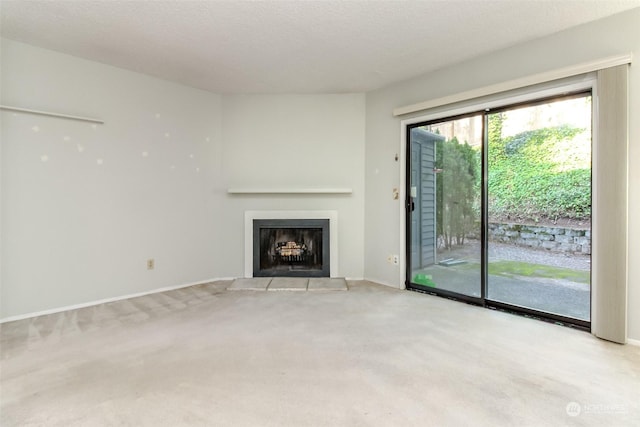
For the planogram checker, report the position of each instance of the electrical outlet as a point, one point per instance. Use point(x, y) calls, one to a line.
point(151, 264)
point(396, 260)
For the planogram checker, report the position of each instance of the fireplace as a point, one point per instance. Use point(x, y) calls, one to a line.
point(291, 247)
point(331, 259)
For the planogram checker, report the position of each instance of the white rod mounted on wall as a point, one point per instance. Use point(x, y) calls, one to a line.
point(46, 113)
point(255, 190)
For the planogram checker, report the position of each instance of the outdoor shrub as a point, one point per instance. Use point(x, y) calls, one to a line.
point(457, 190)
point(539, 174)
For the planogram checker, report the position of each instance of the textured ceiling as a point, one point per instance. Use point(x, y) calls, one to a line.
point(290, 46)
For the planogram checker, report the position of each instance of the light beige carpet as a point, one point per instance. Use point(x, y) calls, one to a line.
point(372, 356)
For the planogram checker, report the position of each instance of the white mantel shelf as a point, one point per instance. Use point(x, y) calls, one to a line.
point(289, 190)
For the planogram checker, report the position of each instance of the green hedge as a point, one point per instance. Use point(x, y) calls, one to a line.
point(539, 174)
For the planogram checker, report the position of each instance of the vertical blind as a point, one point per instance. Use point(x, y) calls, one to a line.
point(610, 183)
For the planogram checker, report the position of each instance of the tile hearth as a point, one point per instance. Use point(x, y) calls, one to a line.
point(289, 284)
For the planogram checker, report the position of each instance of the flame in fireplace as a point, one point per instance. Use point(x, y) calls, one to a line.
point(290, 249)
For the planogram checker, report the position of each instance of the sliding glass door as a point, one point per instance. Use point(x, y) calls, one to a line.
point(445, 205)
point(499, 207)
point(539, 182)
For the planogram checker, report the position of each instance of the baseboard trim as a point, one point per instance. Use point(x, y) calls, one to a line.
point(107, 300)
point(633, 342)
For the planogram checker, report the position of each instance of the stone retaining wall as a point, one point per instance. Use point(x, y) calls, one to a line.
point(555, 239)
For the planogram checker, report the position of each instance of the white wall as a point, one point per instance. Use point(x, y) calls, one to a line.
point(83, 207)
point(615, 35)
point(74, 230)
point(294, 141)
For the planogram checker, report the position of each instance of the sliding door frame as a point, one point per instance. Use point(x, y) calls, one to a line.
point(543, 315)
point(409, 208)
point(584, 87)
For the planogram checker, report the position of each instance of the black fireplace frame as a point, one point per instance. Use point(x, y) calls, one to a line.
point(323, 224)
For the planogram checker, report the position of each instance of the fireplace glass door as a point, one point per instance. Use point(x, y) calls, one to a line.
point(291, 248)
